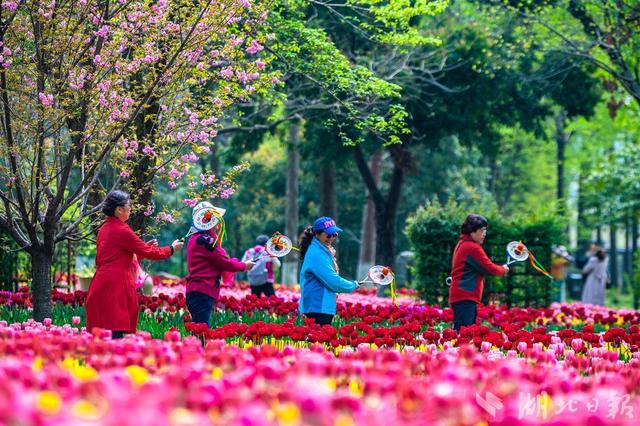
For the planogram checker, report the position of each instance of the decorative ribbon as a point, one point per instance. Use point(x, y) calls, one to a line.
point(537, 266)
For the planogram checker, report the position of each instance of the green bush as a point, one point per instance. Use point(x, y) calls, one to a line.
point(433, 232)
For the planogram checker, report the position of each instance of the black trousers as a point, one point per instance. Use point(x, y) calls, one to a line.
point(321, 319)
point(266, 289)
point(464, 313)
point(199, 306)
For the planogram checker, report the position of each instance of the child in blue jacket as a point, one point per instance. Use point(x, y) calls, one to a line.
point(319, 279)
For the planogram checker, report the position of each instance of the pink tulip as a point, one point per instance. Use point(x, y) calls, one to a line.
point(577, 344)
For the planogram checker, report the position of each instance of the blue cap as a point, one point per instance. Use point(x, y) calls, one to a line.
point(326, 224)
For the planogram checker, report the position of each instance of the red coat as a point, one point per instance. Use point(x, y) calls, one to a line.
point(469, 266)
point(112, 302)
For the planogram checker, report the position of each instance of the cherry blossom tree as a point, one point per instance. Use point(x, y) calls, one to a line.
point(98, 94)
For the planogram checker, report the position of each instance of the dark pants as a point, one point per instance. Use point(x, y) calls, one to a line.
point(199, 306)
point(321, 319)
point(464, 313)
point(117, 334)
point(266, 289)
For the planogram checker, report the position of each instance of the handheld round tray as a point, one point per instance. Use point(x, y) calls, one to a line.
point(517, 251)
point(381, 275)
point(279, 245)
point(205, 219)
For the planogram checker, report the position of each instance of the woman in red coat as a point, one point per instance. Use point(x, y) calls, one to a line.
point(112, 302)
point(469, 266)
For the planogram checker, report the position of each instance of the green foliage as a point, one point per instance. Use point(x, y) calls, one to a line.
point(433, 233)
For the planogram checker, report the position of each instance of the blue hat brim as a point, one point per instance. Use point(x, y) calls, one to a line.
point(332, 230)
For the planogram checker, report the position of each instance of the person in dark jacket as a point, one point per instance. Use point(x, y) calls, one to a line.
point(469, 266)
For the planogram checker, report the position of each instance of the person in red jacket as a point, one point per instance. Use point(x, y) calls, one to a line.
point(469, 266)
point(112, 302)
point(206, 262)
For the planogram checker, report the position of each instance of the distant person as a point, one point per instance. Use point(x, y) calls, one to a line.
point(469, 266)
point(560, 261)
point(595, 274)
point(261, 276)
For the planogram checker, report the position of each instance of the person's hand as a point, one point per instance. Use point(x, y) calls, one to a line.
point(152, 243)
point(249, 265)
point(177, 245)
point(506, 268)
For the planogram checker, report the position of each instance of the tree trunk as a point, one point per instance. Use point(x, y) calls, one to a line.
point(386, 209)
point(368, 234)
point(628, 259)
point(634, 249)
point(141, 181)
point(561, 138)
point(613, 256)
point(328, 190)
point(41, 284)
point(290, 266)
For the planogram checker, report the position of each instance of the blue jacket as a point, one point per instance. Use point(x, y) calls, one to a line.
point(319, 281)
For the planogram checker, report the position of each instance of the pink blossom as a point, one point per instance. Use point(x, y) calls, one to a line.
point(174, 173)
point(124, 174)
point(191, 202)
point(149, 211)
point(227, 72)
point(260, 64)
point(275, 80)
point(10, 5)
point(254, 47)
point(102, 32)
point(147, 150)
point(75, 320)
point(46, 100)
point(165, 217)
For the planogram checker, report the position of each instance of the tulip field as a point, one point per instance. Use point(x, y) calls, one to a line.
point(262, 364)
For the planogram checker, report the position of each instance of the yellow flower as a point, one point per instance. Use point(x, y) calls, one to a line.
point(84, 373)
point(86, 410)
point(48, 402)
point(287, 414)
point(37, 364)
point(330, 384)
point(356, 388)
point(344, 420)
point(138, 375)
point(217, 373)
